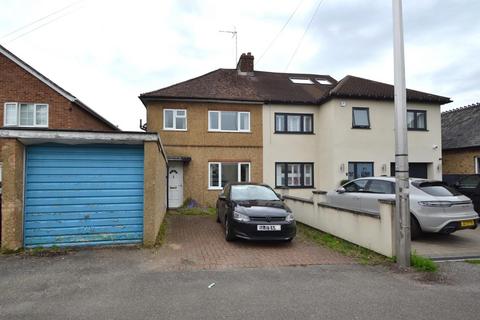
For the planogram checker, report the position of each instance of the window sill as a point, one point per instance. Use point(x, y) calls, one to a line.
point(214, 188)
point(425, 130)
point(284, 132)
point(228, 131)
point(17, 126)
point(165, 129)
point(361, 127)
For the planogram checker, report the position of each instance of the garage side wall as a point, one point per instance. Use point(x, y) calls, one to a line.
point(12, 156)
point(155, 200)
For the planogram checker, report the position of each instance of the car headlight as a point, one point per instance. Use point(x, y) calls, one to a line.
point(289, 217)
point(240, 217)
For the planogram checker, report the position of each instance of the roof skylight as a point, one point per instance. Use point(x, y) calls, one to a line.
point(324, 81)
point(301, 80)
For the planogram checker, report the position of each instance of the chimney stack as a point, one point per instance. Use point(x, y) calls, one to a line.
point(245, 64)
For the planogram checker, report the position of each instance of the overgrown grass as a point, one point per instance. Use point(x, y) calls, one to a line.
point(365, 256)
point(422, 264)
point(162, 233)
point(473, 261)
point(47, 252)
point(193, 211)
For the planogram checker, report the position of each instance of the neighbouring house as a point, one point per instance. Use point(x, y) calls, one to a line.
point(289, 130)
point(461, 140)
point(29, 99)
point(70, 177)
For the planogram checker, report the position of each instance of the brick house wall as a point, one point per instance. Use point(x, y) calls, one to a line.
point(18, 85)
point(461, 161)
point(204, 146)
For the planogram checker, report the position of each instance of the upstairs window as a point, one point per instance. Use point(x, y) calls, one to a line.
point(417, 120)
point(175, 119)
point(25, 114)
point(360, 118)
point(293, 123)
point(229, 121)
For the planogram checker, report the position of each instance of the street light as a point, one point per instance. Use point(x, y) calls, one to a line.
point(402, 205)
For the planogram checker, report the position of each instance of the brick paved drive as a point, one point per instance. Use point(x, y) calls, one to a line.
point(197, 242)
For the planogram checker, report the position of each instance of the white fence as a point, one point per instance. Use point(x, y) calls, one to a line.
point(374, 232)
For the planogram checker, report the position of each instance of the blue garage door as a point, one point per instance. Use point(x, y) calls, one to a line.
point(83, 195)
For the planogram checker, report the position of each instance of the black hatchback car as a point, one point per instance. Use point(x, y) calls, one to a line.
point(470, 186)
point(254, 212)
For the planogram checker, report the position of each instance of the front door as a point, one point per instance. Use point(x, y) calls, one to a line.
point(175, 184)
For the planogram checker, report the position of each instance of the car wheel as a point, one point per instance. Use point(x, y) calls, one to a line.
point(415, 230)
point(228, 231)
point(218, 217)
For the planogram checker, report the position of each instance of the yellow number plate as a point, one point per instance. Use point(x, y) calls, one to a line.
point(467, 223)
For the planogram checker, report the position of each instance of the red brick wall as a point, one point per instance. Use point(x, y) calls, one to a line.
point(17, 85)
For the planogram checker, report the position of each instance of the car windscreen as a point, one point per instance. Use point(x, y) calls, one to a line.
point(436, 188)
point(252, 192)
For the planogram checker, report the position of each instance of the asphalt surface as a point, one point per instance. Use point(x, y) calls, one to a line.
point(463, 243)
point(125, 284)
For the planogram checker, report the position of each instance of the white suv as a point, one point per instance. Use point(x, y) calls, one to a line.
point(434, 206)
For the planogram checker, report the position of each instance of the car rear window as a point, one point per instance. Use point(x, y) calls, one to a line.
point(252, 192)
point(436, 188)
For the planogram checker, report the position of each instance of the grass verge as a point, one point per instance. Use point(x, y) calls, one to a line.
point(365, 256)
point(477, 261)
point(422, 264)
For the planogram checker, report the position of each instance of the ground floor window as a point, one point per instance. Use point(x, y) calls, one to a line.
point(360, 170)
point(477, 165)
point(294, 175)
point(221, 173)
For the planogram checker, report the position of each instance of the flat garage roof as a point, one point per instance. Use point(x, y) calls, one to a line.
point(36, 136)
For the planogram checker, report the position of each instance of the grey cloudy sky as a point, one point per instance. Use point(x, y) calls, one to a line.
point(108, 52)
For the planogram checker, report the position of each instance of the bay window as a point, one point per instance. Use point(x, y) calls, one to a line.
point(294, 175)
point(221, 173)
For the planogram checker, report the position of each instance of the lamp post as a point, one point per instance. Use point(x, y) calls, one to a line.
point(402, 205)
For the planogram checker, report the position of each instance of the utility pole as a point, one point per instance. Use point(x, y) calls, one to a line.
point(234, 35)
point(402, 205)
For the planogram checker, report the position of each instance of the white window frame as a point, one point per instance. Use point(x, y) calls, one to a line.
point(17, 107)
point(219, 112)
point(175, 116)
point(477, 164)
point(239, 174)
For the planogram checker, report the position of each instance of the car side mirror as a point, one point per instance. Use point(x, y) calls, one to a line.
point(222, 197)
point(279, 196)
point(456, 184)
point(341, 190)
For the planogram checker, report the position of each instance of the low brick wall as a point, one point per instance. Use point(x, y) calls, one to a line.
point(374, 232)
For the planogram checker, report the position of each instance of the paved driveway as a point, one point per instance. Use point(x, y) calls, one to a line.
point(460, 244)
point(197, 242)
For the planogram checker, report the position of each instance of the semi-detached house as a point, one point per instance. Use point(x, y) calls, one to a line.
point(296, 131)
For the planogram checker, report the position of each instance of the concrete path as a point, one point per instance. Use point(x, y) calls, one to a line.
point(124, 284)
point(463, 243)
